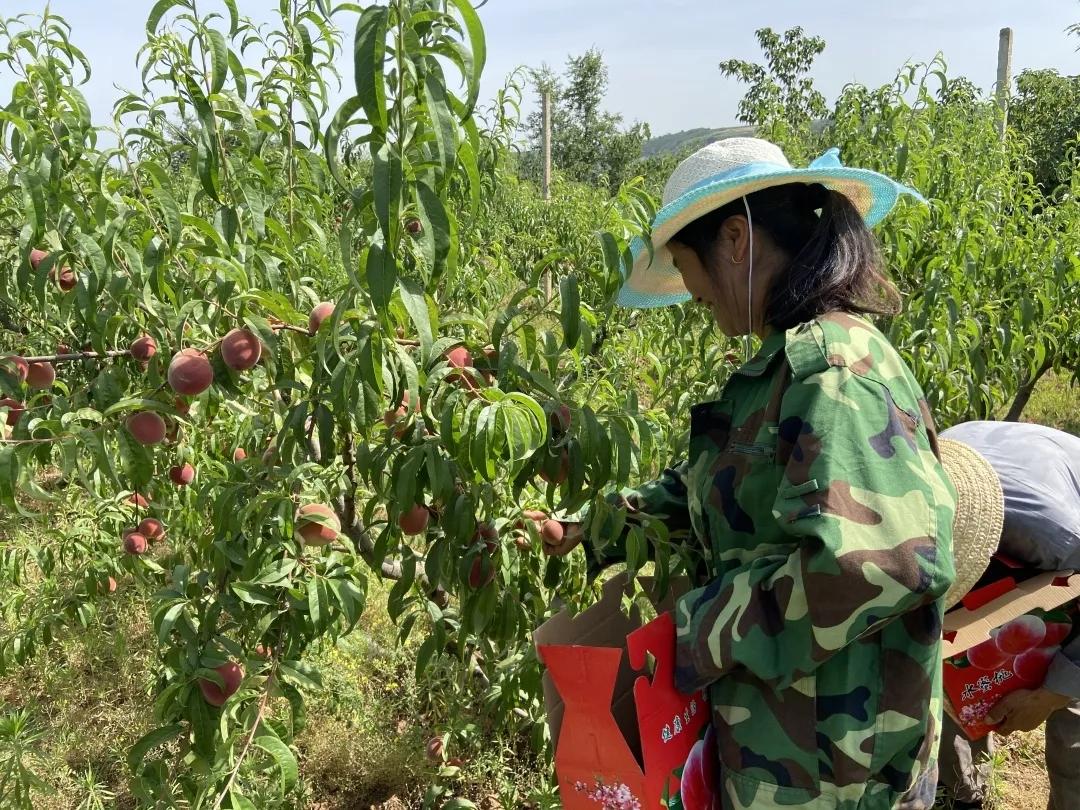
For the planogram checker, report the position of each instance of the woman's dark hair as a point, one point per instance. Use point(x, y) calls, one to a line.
point(835, 263)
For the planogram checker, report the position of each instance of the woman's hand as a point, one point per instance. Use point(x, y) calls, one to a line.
point(1025, 710)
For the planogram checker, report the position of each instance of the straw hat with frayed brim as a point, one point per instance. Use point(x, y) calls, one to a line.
point(725, 171)
point(980, 514)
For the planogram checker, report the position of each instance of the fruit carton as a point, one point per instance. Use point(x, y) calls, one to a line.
point(625, 737)
point(1003, 636)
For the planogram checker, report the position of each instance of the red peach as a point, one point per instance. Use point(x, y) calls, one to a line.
point(182, 475)
point(41, 375)
point(552, 531)
point(143, 348)
point(37, 257)
point(147, 427)
point(239, 454)
point(319, 314)
point(15, 409)
point(151, 529)
point(65, 278)
point(135, 543)
point(190, 373)
point(15, 366)
point(415, 520)
point(241, 349)
point(482, 571)
point(312, 532)
point(459, 357)
point(135, 499)
point(560, 419)
point(232, 675)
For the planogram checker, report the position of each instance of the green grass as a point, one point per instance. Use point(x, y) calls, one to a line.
point(1056, 402)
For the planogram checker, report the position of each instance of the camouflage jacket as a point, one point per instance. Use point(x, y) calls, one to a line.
point(815, 488)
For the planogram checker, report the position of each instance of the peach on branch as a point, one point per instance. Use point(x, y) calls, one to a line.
point(151, 529)
point(143, 348)
point(40, 375)
point(241, 349)
point(320, 313)
point(15, 409)
point(15, 366)
point(147, 427)
point(232, 675)
point(190, 372)
point(182, 475)
point(135, 543)
point(239, 454)
point(317, 524)
point(415, 520)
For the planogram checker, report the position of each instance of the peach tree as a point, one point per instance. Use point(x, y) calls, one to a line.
point(260, 346)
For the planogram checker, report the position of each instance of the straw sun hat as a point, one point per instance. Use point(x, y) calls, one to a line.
point(980, 514)
point(725, 171)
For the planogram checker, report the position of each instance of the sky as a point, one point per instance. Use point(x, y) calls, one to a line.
point(663, 55)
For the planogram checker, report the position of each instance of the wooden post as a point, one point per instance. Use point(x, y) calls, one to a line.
point(1004, 77)
point(547, 173)
point(547, 144)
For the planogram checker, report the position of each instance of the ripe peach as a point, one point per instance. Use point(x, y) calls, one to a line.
point(66, 279)
point(190, 372)
point(15, 366)
point(41, 375)
point(232, 675)
point(151, 529)
point(15, 409)
point(241, 349)
point(182, 475)
point(239, 454)
point(1021, 635)
point(143, 348)
point(63, 348)
point(436, 749)
point(147, 427)
point(561, 474)
point(459, 357)
point(37, 257)
point(319, 314)
point(135, 499)
point(312, 532)
point(135, 543)
point(552, 532)
point(415, 520)
point(560, 419)
point(482, 571)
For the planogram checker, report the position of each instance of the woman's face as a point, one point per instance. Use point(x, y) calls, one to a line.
point(724, 287)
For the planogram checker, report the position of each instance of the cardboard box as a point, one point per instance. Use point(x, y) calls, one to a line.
point(622, 737)
point(1003, 636)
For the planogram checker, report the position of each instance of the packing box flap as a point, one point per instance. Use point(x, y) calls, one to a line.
point(603, 624)
point(964, 628)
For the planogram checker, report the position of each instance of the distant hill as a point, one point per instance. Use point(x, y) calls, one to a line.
point(689, 139)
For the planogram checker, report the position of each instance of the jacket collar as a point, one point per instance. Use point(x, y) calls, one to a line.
point(770, 347)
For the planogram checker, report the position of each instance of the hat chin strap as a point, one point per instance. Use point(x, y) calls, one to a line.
point(749, 336)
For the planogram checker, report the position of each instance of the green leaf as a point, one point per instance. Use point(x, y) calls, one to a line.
point(219, 60)
point(442, 120)
point(435, 238)
point(412, 295)
point(159, 736)
point(283, 758)
point(381, 274)
point(368, 57)
point(571, 306)
point(478, 46)
point(300, 674)
point(159, 11)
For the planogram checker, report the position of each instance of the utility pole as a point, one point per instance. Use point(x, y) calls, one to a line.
point(546, 102)
point(1004, 77)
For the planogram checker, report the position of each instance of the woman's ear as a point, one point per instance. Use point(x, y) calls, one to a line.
point(733, 240)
